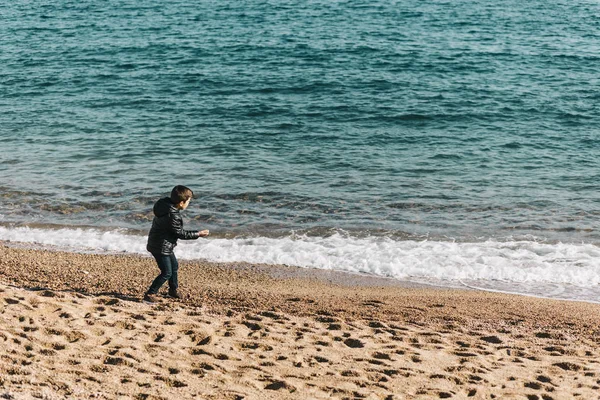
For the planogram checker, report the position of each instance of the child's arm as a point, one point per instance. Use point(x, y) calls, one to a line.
point(177, 228)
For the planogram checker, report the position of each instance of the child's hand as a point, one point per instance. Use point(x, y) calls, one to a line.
point(204, 233)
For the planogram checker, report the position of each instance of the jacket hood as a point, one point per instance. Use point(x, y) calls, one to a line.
point(163, 207)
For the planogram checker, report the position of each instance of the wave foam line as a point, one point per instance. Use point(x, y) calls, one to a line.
point(513, 261)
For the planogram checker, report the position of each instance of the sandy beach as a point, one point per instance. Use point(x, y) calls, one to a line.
point(72, 326)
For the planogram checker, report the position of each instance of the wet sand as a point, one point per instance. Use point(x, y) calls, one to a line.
point(72, 326)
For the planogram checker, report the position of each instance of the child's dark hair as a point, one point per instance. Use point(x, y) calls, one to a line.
point(181, 193)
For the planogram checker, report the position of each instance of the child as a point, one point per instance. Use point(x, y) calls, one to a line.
point(167, 227)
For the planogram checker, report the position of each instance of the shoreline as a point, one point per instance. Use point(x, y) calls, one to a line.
point(72, 325)
point(98, 274)
point(562, 291)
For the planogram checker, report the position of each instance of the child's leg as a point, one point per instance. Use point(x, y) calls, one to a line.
point(173, 282)
point(166, 271)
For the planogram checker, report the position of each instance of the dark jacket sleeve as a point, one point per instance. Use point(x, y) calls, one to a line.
point(176, 228)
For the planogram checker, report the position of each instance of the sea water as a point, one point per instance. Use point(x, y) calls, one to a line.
point(445, 142)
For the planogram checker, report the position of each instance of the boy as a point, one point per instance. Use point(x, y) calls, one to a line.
point(167, 227)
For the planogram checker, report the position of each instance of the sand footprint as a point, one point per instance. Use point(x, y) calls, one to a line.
point(280, 385)
point(198, 337)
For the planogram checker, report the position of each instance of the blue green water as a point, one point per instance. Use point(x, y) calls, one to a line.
point(463, 121)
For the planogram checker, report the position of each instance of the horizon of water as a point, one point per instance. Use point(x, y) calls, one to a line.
point(452, 143)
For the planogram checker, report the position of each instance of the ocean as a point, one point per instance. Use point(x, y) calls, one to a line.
point(453, 143)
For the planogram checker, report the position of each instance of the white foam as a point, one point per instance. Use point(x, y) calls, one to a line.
point(523, 262)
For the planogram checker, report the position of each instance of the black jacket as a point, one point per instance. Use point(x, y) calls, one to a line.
point(167, 227)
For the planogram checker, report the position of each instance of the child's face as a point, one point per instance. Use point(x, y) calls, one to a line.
point(184, 204)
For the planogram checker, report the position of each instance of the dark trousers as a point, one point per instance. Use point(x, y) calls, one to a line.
point(168, 266)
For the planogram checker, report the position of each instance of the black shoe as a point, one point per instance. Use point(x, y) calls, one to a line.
point(151, 298)
point(174, 294)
